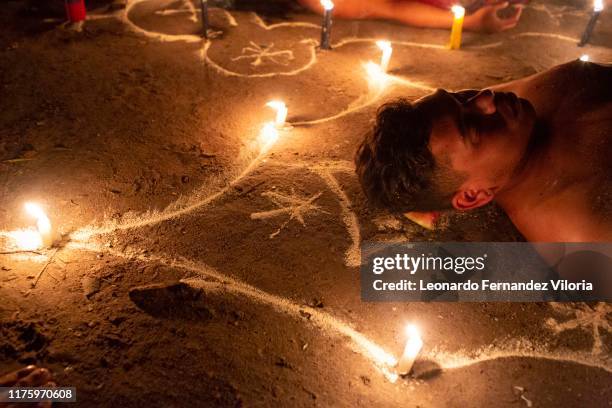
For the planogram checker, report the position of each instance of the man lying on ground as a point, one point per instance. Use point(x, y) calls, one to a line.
point(483, 16)
point(540, 147)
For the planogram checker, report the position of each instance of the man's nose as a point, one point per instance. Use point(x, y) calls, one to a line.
point(484, 102)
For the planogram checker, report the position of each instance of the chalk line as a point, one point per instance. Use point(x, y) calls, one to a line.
point(352, 255)
point(513, 348)
point(259, 21)
point(381, 359)
point(585, 316)
point(352, 40)
point(368, 100)
point(324, 165)
point(191, 38)
point(152, 34)
point(330, 325)
point(548, 35)
point(192, 10)
point(169, 213)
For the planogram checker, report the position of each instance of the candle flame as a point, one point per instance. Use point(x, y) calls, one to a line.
point(412, 331)
point(584, 58)
point(385, 47)
point(281, 112)
point(42, 221)
point(327, 4)
point(459, 11)
point(268, 136)
point(411, 350)
point(383, 44)
point(377, 76)
point(598, 5)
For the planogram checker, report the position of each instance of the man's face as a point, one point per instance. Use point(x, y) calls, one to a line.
point(484, 134)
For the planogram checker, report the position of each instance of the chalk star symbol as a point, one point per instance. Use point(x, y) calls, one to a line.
point(259, 53)
point(590, 318)
point(294, 205)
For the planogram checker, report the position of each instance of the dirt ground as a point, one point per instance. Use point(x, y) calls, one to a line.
point(198, 269)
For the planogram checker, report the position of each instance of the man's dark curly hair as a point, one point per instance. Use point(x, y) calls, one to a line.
point(395, 166)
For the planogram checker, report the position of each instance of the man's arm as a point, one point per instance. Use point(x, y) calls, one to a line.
point(421, 14)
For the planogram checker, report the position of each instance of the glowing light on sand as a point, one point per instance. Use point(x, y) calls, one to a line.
point(377, 76)
point(455, 38)
point(385, 47)
point(411, 350)
point(268, 136)
point(26, 239)
point(584, 58)
point(281, 112)
point(327, 4)
point(43, 224)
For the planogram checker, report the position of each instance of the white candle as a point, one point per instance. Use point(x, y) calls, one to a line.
point(268, 136)
point(281, 112)
point(411, 350)
point(377, 76)
point(43, 224)
point(385, 47)
point(586, 35)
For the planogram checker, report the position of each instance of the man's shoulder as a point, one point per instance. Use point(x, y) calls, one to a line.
point(583, 70)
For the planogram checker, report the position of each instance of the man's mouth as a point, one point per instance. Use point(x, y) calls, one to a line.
point(510, 101)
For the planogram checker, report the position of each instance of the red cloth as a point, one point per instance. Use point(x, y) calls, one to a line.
point(75, 10)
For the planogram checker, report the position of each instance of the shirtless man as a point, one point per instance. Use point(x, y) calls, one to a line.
point(540, 147)
point(488, 16)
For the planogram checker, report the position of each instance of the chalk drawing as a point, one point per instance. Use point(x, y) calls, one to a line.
point(594, 319)
point(288, 204)
point(259, 54)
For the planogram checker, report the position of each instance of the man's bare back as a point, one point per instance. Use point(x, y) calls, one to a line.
point(568, 195)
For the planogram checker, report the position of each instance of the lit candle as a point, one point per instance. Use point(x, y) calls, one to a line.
point(597, 8)
point(27, 239)
point(268, 136)
point(375, 73)
point(385, 47)
point(205, 22)
point(411, 350)
point(328, 6)
point(281, 112)
point(455, 38)
point(43, 224)
point(584, 58)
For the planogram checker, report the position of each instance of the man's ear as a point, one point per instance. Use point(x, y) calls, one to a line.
point(465, 200)
point(483, 102)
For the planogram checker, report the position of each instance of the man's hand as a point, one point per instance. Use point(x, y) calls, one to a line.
point(30, 376)
point(486, 19)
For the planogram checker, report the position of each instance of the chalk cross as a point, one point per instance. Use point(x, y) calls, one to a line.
point(259, 53)
point(297, 207)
